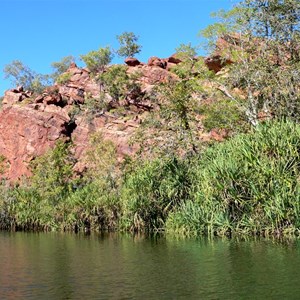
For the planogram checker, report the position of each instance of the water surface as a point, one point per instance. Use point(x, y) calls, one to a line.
point(70, 266)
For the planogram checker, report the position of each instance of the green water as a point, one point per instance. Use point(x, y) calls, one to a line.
point(67, 266)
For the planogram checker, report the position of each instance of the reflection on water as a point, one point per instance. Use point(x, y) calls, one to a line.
point(67, 266)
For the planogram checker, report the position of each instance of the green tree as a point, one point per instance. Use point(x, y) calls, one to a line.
point(22, 75)
point(128, 44)
point(166, 183)
point(19, 74)
point(52, 173)
point(187, 54)
point(40, 203)
point(97, 60)
point(266, 53)
point(119, 84)
point(173, 124)
point(171, 128)
point(61, 66)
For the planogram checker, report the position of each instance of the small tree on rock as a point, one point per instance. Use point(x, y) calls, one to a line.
point(61, 66)
point(128, 44)
point(22, 75)
point(97, 60)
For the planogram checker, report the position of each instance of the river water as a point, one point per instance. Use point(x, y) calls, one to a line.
point(115, 266)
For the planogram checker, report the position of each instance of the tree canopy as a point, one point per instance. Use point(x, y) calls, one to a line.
point(262, 37)
point(128, 44)
point(61, 66)
point(22, 75)
point(97, 60)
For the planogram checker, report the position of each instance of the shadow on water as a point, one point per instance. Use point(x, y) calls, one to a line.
point(123, 266)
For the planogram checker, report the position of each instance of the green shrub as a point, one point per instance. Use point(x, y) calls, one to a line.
point(94, 106)
point(94, 205)
point(63, 78)
point(223, 113)
point(40, 203)
point(151, 191)
point(120, 85)
point(249, 184)
point(92, 208)
point(128, 44)
point(6, 200)
point(97, 60)
point(53, 199)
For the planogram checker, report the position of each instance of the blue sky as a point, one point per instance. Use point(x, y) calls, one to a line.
point(39, 32)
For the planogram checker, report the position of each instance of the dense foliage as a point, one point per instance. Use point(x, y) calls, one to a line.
point(247, 185)
point(97, 60)
point(263, 38)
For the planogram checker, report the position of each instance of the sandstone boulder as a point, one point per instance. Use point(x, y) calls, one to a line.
point(132, 62)
point(173, 59)
point(217, 62)
point(12, 97)
point(15, 95)
point(157, 62)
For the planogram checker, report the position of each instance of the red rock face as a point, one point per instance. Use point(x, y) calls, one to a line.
point(157, 62)
point(151, 75)
point(216, 63)
point(27, 132)
point(30, 125)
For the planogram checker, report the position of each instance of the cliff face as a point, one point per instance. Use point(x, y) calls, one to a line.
point(30, 125)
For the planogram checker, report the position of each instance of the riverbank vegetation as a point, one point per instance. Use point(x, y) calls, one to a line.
point(247, 184)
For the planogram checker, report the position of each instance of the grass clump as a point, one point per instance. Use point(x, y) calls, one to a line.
point(151, 191)
point(248, 185)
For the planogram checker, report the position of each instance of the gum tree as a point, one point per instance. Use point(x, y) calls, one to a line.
point(262, 38)
point(97, 60)
point(22, 75)
point(128, 44)
point(61, 66)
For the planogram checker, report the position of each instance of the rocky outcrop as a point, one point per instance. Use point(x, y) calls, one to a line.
point(157, 62)
point(78, 86)
point(112, 128)
point(15, 96)
point(27, 131)
point(32, 124)
point(151, 75)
